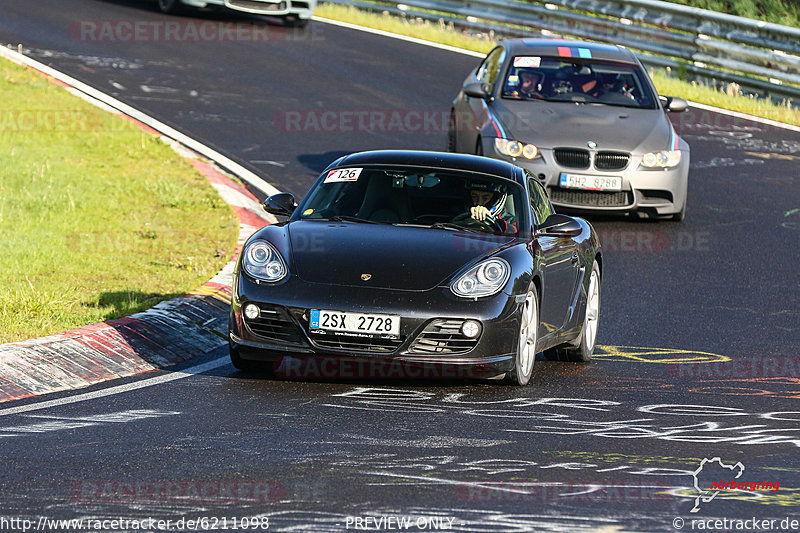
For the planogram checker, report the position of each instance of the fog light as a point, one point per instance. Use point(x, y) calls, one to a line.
point(251, 311)
point(471, 329)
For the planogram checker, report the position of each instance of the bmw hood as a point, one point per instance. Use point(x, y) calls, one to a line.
point(390, 257)
point(550, 125)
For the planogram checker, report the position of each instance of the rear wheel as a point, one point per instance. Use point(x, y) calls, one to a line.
point(526, 341)
point(585, 347)
point(172, 7)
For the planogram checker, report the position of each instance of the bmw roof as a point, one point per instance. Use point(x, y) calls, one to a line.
point(562, 48)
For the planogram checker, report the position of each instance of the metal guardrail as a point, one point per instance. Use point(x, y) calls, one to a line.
point(762, 58)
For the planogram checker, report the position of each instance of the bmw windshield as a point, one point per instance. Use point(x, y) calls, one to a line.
point(558, 79)
point(440, 199)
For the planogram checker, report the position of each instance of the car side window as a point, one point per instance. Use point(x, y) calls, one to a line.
point(490, 68)
point(539, 201)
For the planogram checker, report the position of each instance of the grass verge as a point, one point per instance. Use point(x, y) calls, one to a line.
point(728, 97)
point(98, 219)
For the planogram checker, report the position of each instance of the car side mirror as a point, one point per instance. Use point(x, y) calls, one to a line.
point(673, 104)
point(475, 90)
point(281, 204)
point(557, 225)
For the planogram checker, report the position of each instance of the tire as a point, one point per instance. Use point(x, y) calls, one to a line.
point(246, 365)
point(680, 215)
point(525, 356)
point(583, 351)
point(293, 21)
point(171, 7)
point(451, 133)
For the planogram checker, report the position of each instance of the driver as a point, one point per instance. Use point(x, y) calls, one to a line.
point(529, 85)
point(487, 202)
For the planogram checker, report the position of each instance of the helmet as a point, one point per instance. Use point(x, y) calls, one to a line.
point(499, 194)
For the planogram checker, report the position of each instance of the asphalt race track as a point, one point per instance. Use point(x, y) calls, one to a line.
point(699, 329)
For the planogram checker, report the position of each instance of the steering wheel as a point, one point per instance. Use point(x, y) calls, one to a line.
point(491, 223)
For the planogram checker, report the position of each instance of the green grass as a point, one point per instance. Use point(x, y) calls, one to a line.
point(97, 218)
point(729, 97)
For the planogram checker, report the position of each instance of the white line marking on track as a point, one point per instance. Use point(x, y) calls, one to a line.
point(166, 378)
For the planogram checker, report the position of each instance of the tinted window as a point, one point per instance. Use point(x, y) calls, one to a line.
point(539, 201)
point(558, 79)
point(489, 69)
point(417, 197)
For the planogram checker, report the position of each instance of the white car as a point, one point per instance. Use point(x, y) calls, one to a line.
point(293, 12)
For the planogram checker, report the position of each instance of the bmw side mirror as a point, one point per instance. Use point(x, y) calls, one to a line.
point(674, 104)
point(557, 225)
point(475, 90)
point(281, 204)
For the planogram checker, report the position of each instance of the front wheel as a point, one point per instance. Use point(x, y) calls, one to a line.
point(526, 341)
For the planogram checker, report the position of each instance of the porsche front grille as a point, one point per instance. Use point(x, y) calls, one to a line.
point(274, 324)
point(356, 344)
point(443, 337)
point(590, 198)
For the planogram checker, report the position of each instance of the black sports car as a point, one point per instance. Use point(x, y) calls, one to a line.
point(406, 261)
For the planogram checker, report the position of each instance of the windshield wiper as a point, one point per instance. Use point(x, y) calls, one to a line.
point(454, 227)
point(347, 218)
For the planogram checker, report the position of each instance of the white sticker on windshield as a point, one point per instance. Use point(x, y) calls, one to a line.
point(343, 174)
point(527, 61)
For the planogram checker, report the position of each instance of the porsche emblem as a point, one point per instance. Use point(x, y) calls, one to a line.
point(366, 277)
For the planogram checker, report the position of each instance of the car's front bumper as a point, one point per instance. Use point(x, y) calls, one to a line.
point(659, 192)
point(426, 346)
point(304, 9)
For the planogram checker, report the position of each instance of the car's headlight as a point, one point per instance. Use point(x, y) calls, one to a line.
point(662, 159)
point(513, 148)
point(263, 261)
point(484, 279)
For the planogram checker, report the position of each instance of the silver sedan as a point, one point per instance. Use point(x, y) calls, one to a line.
point(584, 118)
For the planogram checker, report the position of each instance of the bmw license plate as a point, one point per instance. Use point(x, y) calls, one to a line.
point(356, 324)
point(590, 183)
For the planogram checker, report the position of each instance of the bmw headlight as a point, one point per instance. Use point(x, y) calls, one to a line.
point(513, 148)
point(485, 279)
point(263, 261)
point(662, 159)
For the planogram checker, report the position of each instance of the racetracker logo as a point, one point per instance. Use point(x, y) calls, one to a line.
point(338, 368)
point(182, 31)
point(150, 492)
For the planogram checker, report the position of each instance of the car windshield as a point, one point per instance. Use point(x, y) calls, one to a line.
point(558, 79)
point(412, 196)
